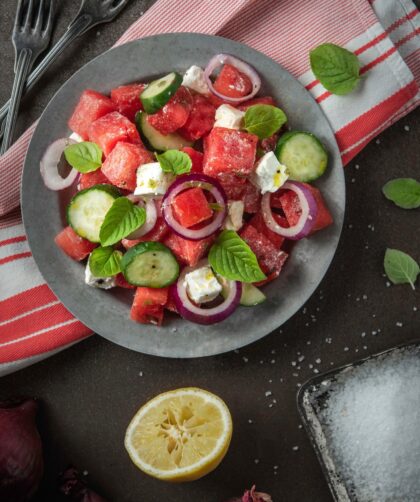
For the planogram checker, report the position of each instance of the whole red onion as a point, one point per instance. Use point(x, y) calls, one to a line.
point(21, 464)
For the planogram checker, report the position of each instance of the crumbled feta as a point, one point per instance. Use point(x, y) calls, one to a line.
point(228, 116)
point(234, 219)
point(202, 285)
point(269, 175)
point(76, 137)
point(152, 180)
point(194, 79)
point(98, 282)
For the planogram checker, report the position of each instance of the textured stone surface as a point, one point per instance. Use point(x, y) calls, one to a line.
point(90, 391)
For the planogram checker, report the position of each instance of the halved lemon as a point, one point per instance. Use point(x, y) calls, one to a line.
point(180, 435)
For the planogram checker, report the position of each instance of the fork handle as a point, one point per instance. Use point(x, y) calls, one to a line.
point(76, 28)
point(23, 66)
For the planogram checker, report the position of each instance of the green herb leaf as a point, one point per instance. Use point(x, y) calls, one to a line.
point(264, 120)
point(231, 257)
point(122, 218)
point(336, 68)
point(404, 192)
point(85, 157)
point(105, 261)
point(216, 206)
point(174, 161)
point(400, 267)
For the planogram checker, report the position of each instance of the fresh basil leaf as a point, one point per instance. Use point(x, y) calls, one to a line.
point(400, 267)
point(404, 192)
point(105, 261)
point(85, 157)
point(216, 206)
point(174, 161)
point(231, 257)
point(336, 68)
point(264, 120)
point(122, 218)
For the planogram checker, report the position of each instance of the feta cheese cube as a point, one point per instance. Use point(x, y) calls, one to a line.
point(194, 79)
point(76, 137)
point(269, 175)
point(228, 116)
point(234, 219)
point(152, 180)
point(98, 282)
point(202, 285)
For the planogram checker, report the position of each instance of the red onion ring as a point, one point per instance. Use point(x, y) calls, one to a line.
point(188, 181)
point(49, 166)
point(151, 216)
point(188, 310)
point(307, 218)
point(221, 59)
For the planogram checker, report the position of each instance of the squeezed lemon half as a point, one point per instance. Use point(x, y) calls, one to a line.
point(180, 435)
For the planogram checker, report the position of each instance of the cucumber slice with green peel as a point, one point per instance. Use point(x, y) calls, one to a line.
point(303, 154)
point(251, 295)
point(160, 91)
point(150, 264)
point(155, 139)
point(87, 210)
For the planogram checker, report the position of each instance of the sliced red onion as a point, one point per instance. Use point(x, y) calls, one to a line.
point(307, 218)
point(220, 60)
point(151, 216)
point(189, 181)
point(192, 312)
point(50, 162)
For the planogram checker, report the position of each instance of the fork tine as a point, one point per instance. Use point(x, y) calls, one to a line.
point(40, 16)
point(28, 18)
point(19, 15)
point(48, 25)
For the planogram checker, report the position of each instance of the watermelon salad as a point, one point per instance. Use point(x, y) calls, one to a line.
point(189, 190)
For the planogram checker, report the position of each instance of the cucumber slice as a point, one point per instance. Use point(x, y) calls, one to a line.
point(160, 91)
point(251, 295)
point(303, 154)
point(150, 264)
point(87, 210)
point(155, 139)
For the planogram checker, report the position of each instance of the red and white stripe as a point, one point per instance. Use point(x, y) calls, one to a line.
point(383, 33)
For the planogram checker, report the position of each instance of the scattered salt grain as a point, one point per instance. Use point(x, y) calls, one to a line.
point(245, 359)
point(357, 166)
point(399, 324)
point(273, 361)
point(270, 381)
point(295, 374)
point(406, 128)
point(346, 349)
point(318, 361)
point(374, 333)
point(364, 347)
point(415, 309)
point(316, 370)
point(301, 358)
point(310, 366)
point(274, 401)
point(273, 351)
point(270, 405)
point(363, 334)
point(140, 373)
point(268, 393)
point(388, 284)
point(364, 297)
point(236, 351)
point(174, 330)
point(300, 426)
point(256, 461)
point(293, 363)
point(85, 472)
point(275, 467)
point(378, 141)
point(308, 342)
point(250, 421)
point(328, 340)
point(353, 180)
point(295, 448)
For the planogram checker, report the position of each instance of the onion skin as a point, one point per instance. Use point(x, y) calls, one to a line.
point(72, 486)
point(21, 463)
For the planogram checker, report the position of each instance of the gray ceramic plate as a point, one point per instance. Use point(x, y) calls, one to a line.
point(107, 313)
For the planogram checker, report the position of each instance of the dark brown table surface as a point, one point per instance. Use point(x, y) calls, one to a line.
point(90, 391)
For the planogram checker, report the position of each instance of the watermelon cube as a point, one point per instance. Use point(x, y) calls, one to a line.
point(270, 258)
point(188, 252)
point(92, 105)
point(88, 180)
point(127, 99)
point(196, 159)
point(232, 83)
point(170, 304)
point(121, 165)
point(191, 207)
point(148, 305)
point(108, 130)
point(257, 221)
point(73, 245)
point(174, 114)
point(252, 198)
point(200, 120)
point(158, 232)
point(122, 283)
point(263, 100)
point(229, 151)
point(233, 185)
point(291, 207)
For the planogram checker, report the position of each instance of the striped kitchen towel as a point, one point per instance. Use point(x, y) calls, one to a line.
point(383, 33)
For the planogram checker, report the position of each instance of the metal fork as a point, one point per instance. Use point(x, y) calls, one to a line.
point(31, 35)
point(90, 14)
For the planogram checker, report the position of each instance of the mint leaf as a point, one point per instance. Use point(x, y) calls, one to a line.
point(122, 218)
point(174, 161)
point(336, 68)
point(404, 192)
point(105, 261)
point(400, 267)
point(85, 157)
point(231, 257)
point(264, 120)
